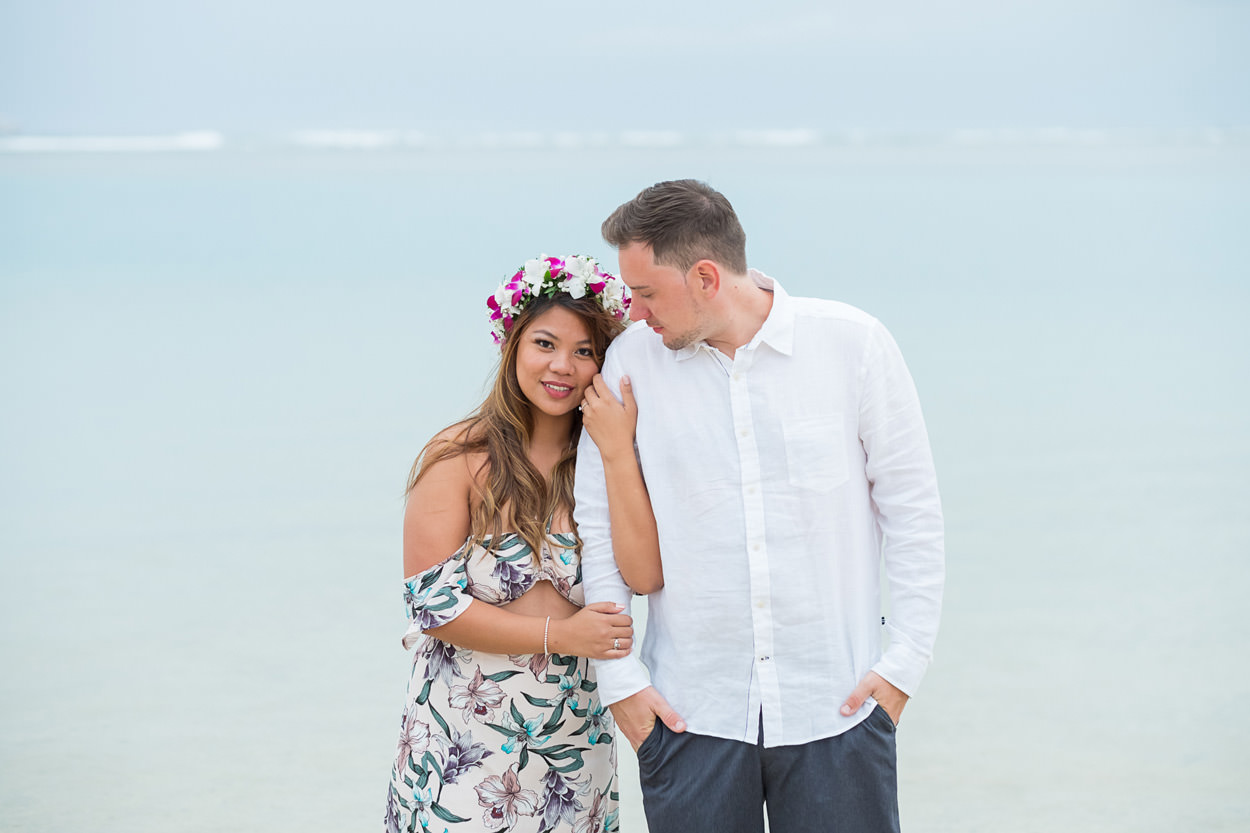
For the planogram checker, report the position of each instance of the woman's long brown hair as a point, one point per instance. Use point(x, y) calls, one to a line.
point(502, 428)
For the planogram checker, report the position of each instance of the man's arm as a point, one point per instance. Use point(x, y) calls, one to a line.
point(905, 499)
point(601, 578)
point(624, 684)
point(611, 424)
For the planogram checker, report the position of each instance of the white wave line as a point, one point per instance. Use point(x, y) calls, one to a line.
point(363, 140)
point(204, 140)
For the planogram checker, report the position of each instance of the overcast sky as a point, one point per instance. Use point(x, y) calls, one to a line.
point(86, 66)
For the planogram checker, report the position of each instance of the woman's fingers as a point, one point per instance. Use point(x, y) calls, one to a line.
point(627, 392)
point(621, 645)
point(600, 388)
point(607, 607)
point(591, 396)
point(598, 392)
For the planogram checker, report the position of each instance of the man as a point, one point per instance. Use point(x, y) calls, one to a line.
point(786, 457)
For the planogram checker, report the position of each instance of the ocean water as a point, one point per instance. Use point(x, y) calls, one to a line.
point(217, 363)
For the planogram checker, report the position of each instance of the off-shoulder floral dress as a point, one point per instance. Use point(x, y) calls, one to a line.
point(497, 742)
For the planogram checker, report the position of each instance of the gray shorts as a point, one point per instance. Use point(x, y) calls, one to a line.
point(698, 784)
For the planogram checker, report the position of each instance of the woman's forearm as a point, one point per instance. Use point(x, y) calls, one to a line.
point(485, 627)
point(635, 541)
point(599, 631)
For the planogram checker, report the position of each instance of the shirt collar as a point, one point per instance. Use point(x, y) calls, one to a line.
point(777, 331)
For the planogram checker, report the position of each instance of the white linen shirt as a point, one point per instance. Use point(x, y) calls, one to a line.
point(780, 481)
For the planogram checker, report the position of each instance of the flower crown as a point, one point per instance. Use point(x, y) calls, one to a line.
point(576, 275)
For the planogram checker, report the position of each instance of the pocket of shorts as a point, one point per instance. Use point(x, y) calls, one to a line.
point(815, 454)
point(885, 716)
point(647, 747)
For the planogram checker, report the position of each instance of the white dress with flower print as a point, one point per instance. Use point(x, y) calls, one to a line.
point(496, 742)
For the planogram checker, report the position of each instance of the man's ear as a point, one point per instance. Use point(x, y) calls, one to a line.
point(705, 276)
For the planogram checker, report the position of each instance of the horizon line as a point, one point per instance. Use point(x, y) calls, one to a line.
point(369, 139)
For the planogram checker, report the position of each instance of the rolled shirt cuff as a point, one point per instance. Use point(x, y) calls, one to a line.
point(902, 667)
point(619, 678)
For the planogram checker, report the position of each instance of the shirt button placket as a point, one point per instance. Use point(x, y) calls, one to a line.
point(753, 517)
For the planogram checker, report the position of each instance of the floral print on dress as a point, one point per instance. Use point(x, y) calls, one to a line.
point(493, 742)
point(477, 699)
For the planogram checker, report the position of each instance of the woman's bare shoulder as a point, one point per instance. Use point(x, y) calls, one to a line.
point(437, 515)
point(461, 435)
point(462, 442)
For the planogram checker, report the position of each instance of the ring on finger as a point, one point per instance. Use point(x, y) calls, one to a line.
point(616, 644)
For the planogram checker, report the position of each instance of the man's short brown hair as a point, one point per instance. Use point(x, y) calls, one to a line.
point(683, 221)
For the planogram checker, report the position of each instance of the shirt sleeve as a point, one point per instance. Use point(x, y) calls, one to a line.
point(617, 678)
point(434, 597)
point(903, 487)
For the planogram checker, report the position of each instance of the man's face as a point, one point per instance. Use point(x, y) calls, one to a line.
point(662, 296)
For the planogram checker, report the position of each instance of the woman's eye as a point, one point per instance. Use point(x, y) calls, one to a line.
point(542, 342)
point(586, 352)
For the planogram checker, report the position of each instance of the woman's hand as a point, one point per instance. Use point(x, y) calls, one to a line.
point(598, 631)
point(635, 539)
point(611, 423)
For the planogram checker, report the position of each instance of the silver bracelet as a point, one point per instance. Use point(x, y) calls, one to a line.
point(546, 626)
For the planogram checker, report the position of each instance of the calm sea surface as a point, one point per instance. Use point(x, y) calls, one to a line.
point(216, 368)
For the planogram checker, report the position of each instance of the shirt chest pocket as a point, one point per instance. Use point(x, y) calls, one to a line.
point(816, 452)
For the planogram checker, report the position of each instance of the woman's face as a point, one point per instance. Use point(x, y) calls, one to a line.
point(554, 361)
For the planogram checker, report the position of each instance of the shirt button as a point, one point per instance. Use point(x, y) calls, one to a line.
point(765, 659)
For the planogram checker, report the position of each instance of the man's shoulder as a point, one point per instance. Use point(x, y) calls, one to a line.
point(835, 312)
point(637, 339)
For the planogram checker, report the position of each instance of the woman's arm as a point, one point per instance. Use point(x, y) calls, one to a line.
point(436, 524)
point(436, 517)
point(635, 541)
point(591, 632)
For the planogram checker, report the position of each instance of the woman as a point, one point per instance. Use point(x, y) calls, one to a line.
point(502, 728)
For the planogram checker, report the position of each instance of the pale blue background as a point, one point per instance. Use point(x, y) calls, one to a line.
point(147, 65)
point(217, 366)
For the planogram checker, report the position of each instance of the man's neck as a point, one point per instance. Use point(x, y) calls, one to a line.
point(746, 308)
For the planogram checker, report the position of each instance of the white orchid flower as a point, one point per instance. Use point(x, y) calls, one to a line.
point(536, 273)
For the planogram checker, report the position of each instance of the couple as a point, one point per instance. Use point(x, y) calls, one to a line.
point(780, 458)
